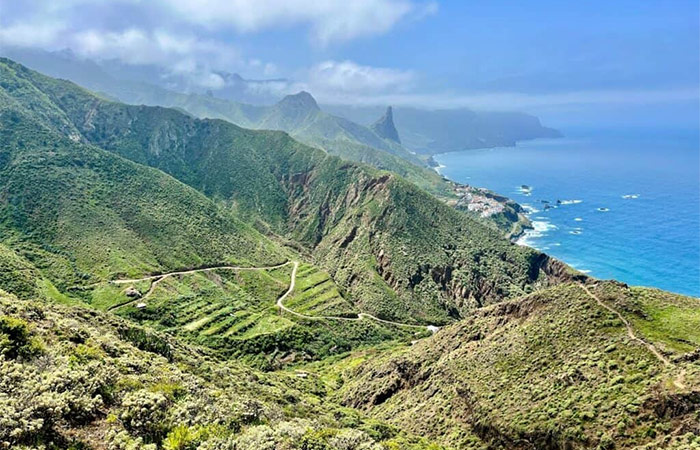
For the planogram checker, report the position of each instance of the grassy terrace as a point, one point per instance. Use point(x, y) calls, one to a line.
point(235, 311)
point(316, 294)
point(230, 303)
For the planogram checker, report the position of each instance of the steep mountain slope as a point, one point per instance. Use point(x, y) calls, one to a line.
point(74, 216)
point(424, 131)
point(271, 253)
point(396, 250)
point(86, 213)
point(300, 116)
point(602, 366)
point(297, 114)
point(335, 135)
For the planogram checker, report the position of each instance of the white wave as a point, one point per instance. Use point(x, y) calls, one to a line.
point(525, 190)
point(570, 202)
point(439, 168)
point(543, 226)
point(539, 228)
point(578, 219)
point(529, 209)
point(630, 196)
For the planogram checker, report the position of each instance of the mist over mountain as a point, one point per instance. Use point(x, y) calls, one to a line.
point(422, 130)
point(132, 81)
point(448, 130)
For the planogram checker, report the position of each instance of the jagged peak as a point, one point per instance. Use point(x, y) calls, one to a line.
point(385, 128)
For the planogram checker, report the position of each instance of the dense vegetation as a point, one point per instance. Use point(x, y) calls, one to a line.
point(72, 377)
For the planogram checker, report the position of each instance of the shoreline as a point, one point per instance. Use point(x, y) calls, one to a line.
point(593, 222)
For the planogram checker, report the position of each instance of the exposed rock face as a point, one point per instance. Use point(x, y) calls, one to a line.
point(384, 127)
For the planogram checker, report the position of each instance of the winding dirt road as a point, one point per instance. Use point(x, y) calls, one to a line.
point(158, 278)
point(280, 301)
point(360, 316)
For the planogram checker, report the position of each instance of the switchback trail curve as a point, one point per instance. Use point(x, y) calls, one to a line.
point(158, 278)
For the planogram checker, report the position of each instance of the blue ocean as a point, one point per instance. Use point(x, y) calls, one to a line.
point(614, 204)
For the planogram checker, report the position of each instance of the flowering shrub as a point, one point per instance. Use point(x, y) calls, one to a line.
point(144, 413)
point(34, 401)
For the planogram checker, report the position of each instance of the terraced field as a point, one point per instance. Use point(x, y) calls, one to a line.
point(202, 305)
point(236, 310)
point(316, 294)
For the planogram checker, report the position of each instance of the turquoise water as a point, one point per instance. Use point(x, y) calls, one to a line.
point(630, 201)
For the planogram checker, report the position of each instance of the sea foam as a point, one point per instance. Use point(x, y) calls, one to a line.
point(539, 228)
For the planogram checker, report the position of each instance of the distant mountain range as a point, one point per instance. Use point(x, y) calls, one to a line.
point(381, 143)
point(448, 130)
point(130, 82)
point(419, 130)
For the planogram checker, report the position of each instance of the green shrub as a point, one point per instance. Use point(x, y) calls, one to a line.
point(146, 341)
point(181, 438)
point(16, 340)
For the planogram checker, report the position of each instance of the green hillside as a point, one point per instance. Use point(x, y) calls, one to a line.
point(80, 213)
point(410, 256)
point(553, 370)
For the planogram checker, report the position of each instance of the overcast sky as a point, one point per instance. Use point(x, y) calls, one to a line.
point(565, 60)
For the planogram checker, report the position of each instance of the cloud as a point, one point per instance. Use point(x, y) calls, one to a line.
point(517, 100)
point(328, 20)
point(194, 38)
point(29, 35)
point(348, 77)
point(136, 46)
